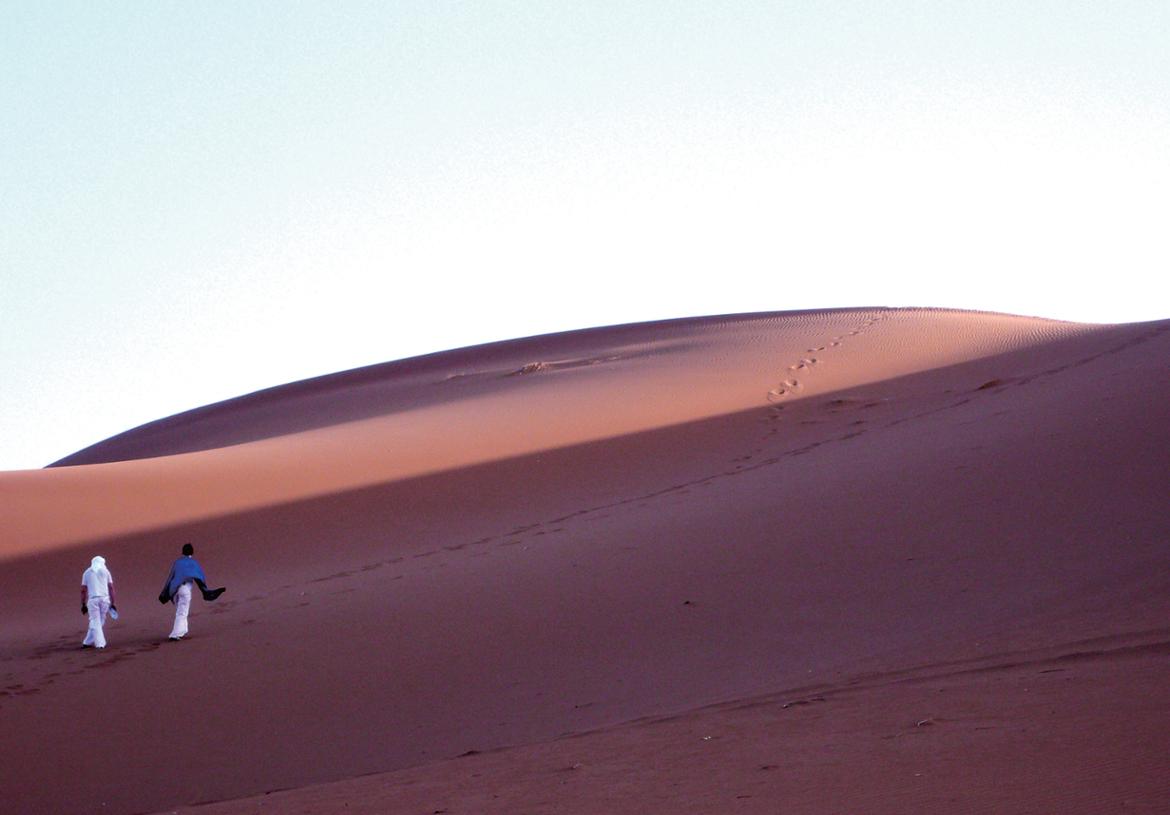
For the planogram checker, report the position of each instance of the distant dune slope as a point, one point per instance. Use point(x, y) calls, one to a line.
point(481, 404)
point(515, 543)
point(731, 351)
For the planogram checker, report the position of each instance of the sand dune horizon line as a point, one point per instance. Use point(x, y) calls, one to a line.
point(444, 412)
point(363, 392)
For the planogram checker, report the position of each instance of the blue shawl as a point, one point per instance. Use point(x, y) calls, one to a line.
point(186, 569)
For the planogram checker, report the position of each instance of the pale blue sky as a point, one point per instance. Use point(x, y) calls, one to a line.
point(198, 200)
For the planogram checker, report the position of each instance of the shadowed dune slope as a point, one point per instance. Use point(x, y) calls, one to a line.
point(636, 536)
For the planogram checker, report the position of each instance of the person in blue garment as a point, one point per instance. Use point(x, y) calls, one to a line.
point(185, 572)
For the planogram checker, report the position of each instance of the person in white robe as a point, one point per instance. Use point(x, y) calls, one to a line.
point(97, 598)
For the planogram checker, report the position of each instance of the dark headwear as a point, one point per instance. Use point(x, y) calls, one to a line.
point(188, 549)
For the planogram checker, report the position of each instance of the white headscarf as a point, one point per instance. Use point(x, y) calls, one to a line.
point(98, 564)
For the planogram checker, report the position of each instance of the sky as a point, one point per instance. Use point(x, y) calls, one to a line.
point(200, 200)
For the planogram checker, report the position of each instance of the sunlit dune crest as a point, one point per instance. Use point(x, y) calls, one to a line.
point(472, 406)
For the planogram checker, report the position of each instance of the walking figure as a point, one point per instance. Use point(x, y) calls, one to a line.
point(97, 600)
point(185, 571)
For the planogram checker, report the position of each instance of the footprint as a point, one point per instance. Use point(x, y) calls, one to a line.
point(335, 576)
point(837, 405)
point(786, 387)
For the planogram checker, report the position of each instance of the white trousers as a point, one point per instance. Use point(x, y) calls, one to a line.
point(182, 602)
point(99, 607)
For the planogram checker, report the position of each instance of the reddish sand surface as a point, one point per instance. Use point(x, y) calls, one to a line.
point(863, 560)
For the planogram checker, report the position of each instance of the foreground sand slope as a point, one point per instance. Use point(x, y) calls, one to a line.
point(632, 524)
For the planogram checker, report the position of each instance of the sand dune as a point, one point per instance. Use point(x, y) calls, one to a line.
point(782, 562)
point(473, 406)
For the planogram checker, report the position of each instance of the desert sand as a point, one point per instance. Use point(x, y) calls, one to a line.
point(859, 560)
